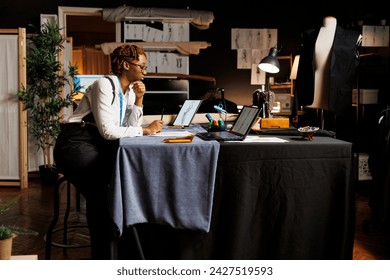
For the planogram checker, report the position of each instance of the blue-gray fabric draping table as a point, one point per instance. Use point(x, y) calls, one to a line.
point(164, 183)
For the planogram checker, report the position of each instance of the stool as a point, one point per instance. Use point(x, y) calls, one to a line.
point(48, 238)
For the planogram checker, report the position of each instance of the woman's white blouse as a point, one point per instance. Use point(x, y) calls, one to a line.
point(105, 105)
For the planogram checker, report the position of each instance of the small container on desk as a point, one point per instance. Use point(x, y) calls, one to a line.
point(216, 125)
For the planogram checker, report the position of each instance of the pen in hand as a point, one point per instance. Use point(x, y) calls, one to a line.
point(162, 114)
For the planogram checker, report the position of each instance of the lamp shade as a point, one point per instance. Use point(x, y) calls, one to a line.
point(270, 63)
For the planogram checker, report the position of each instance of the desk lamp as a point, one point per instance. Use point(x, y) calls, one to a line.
point(269, 64)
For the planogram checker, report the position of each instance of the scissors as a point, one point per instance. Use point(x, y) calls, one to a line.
point(220, 109)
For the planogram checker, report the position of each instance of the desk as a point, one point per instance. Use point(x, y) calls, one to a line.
point(290, 200)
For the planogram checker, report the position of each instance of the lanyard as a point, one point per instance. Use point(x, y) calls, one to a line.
point(120, 101)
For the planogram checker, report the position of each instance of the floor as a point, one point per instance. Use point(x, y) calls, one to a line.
point(370, 243)
point(34, 211)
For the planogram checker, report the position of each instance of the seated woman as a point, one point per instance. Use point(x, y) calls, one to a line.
point(85, 150)
point(215, 96)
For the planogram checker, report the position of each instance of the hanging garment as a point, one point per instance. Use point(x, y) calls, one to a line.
point(344, 63)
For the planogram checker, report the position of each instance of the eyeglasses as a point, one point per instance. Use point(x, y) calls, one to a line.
point(142, 68)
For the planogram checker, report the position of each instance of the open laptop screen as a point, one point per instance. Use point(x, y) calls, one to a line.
point(245, 120)
point(187, 112)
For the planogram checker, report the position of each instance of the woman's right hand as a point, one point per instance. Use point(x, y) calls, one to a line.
point(153, 128)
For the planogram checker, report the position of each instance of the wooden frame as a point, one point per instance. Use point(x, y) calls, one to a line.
point(22, 80)
point(64, 11)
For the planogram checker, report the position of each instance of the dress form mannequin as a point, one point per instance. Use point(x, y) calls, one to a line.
point(322, 60)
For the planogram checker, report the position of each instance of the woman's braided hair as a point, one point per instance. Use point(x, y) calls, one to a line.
point(122, 53)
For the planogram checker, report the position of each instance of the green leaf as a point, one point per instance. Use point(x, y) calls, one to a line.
point(5, 207)
point(5, 232)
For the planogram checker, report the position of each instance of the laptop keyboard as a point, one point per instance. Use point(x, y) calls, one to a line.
point(228, 136)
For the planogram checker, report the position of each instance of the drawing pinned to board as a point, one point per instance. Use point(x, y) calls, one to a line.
point(244, 58)
point(258, 55)
point(166, 32)
point(252, 45)
point(375, 36)
point(257, 76)
point(246, 38)
point(174, 32)
point(134, 31)
point(152, 34)
point(152, 61)
point(171, 63)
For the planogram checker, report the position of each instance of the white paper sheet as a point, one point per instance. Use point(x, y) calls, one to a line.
point(180, 133)
point(261, 139)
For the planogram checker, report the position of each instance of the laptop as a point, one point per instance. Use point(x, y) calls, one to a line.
point(240, 129)
point(187, 113)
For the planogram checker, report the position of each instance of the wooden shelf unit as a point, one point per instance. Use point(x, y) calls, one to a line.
point(283, 87)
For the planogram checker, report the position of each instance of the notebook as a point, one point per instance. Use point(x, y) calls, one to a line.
point(240, 129)
point(187, 112)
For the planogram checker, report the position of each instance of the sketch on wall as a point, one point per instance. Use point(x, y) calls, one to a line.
point(175, 32)
point(171, 63)
point(166, 32)
point(257, 76)
point(151, 34)
point(252, 45)
point(244, 58)
point(375, 36)
point(160, 61)
point(134, 31)
point(166, 62)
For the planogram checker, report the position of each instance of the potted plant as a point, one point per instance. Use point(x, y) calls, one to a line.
point(43, 96)
point(6, 236)
point(9, 232)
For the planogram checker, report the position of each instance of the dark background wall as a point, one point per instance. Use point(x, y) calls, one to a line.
point(219, 60)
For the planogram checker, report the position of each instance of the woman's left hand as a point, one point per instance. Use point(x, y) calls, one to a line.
point(139, 89)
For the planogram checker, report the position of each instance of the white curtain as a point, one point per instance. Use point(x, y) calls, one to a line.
point(9, 109)
point(9, 114)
